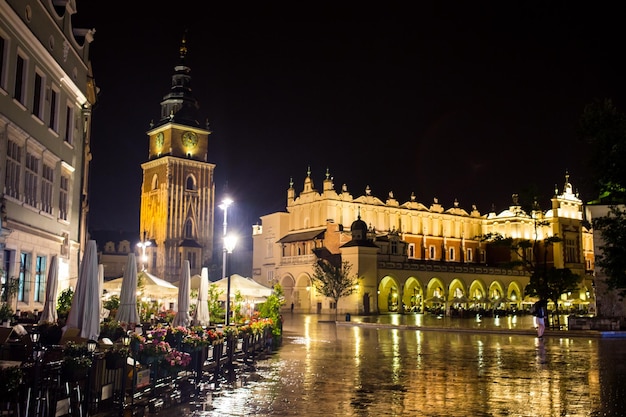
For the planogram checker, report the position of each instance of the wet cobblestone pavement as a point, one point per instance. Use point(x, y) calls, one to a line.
point(456, 367)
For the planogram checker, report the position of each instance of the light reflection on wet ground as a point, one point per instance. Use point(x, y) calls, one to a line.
point(324, 369)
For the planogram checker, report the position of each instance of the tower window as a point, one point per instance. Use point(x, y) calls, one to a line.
point(188, 232)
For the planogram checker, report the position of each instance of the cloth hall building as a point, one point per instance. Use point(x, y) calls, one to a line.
point(414, 257)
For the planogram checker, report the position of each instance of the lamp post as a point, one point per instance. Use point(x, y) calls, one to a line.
point(36, 403)
point(91, 349)
point(224, 206)
point(229, 245)
point(143, 245)
point(125, 344)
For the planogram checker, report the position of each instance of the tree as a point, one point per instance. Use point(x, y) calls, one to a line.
point(531, 255)
point(271, 309)
point(612, 256)
point(215, 308)
point(333, 280)
point(602, 129)
point(8, 288)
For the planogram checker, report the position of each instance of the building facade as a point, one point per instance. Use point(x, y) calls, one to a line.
point(47, 92)
point(413, 257)
point(178, 188)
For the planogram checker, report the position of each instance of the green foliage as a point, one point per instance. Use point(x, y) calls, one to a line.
point(76, 357)
point(10, 379)
point(531, 255)
point(6, 312)
point(551, 283)
point(602, 127)
point(111, 329)
point(64, 302)
point(9, 287)
point(238, 301)
point(215, 307)
point(113, 303)
point(612, 255)
point(271, 308)
point(333, 281)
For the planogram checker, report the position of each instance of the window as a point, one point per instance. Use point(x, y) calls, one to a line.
point(38, 96)
point(5, 273)
point(54, 110)
point(394, 247)
point(269, 248)
point(20, 79)
point(3, 60)
point(31, 179)
point(69, 125)
point(46, 188)
point(65, 245)
point(571, 250)
point(14, 158)
point(63, 197)
point(451, 252)
point(469, 255)
point(40, 279)
point(190, 184)
point(270, 275)
point(411, 250)
point(23, 282)
point(432, 252)
point(188, 232)
point(191, 257)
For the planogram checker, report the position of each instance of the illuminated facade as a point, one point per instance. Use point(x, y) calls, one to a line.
point(413, 257)
point(47, 92)
point(178, 189)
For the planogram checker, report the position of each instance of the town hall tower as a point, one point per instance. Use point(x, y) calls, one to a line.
point(178, 189)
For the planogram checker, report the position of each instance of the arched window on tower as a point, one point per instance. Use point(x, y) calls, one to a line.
point(155, 182)
point(188, 232)
point(190, 184)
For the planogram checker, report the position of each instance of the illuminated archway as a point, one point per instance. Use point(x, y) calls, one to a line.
point(287, 283)
point(413, 296)
point(388, 295)
point(303, 293)
point(435, 296)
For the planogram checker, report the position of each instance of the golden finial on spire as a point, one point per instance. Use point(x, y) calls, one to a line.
point(183, 46)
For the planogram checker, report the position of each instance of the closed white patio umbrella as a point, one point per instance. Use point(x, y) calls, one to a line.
point(84, 313)
point(49, 313)
point(127, 313)
point(182, 317)
point(202, 317)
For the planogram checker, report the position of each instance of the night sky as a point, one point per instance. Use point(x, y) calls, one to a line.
point(460, 100)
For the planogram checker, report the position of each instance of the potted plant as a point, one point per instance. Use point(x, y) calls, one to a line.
point(10, 380)
point(6, 314)
point(116, 356)
point(76, 361)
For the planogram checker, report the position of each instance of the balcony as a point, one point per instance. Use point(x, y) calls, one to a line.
point(298, 260)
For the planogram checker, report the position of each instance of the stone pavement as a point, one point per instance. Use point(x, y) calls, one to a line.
point(469, 369)
point(522, 325)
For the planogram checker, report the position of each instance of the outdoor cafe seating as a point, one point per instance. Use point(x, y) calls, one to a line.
point(118, 380)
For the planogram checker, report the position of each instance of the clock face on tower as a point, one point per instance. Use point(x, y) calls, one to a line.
point(189, 139)
point(160, 138)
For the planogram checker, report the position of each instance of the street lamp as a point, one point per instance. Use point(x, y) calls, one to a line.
point(91, 349)
point(143, 245)
point(224, 206)
point(229, 245)
point(125, 343)
point(35, 404)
